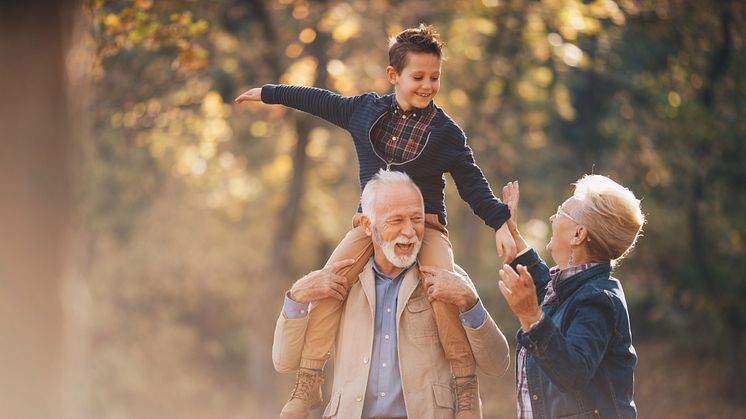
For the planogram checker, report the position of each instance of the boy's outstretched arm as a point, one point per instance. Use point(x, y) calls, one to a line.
point(251, 95)
point(474, 189)
point(323, 103)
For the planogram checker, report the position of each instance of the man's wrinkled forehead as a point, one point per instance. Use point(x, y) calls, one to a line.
point(398, 199)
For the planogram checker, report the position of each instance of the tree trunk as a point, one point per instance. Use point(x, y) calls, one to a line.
point(35, 212)
point(279, 267)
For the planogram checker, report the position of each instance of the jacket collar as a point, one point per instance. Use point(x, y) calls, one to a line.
point(409, 284)
point(410, 281)
point(389, 100)
point(368, 282)
point(568, 286)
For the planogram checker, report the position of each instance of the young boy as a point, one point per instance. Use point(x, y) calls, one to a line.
point(403, 131)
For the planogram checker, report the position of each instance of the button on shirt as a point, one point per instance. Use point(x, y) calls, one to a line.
point(383, 394)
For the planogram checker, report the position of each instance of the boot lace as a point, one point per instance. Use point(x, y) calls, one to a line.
point(465, 392)
point(304, 382)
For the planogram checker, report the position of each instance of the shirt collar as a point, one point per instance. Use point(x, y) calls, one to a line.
point(382, 275)
point(414, 112)
point(558, 274)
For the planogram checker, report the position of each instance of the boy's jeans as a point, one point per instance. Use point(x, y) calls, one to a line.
point(324, 315)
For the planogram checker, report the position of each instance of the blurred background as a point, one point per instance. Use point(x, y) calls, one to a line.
point(150, 227)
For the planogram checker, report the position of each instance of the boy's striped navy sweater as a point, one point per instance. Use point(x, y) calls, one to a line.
point(445, 149)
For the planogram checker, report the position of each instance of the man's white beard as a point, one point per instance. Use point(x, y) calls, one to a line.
point(389, 249)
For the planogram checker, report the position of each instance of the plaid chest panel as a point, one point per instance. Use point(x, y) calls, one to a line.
point(401, 137)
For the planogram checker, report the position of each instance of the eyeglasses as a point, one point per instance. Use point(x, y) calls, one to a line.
point(560, 211)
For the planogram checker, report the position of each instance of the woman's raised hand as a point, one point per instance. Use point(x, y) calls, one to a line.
point(520, 292)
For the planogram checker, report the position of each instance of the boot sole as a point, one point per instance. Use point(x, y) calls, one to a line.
point(315, 406)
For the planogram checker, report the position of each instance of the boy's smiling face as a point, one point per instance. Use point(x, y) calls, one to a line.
point(418, 82)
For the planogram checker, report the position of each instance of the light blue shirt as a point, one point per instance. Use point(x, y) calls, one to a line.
point(383, 394)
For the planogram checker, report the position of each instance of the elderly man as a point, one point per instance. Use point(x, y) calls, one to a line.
point(388, 360)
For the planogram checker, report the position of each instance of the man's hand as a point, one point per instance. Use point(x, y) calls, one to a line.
point(321, 284)
point(520, 293)
point(449, 287)
point(251, 95)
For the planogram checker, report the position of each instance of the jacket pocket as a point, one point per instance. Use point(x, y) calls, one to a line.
point(419, 319)
point(591, 414)
point(444, 396)
point(333, 406)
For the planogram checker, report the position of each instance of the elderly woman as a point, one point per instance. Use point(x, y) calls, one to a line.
point(575, 355)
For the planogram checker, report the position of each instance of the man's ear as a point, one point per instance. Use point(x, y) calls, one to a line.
point(391, 74)
point(365, 222)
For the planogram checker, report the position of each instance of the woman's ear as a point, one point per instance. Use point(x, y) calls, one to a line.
point(581, 235)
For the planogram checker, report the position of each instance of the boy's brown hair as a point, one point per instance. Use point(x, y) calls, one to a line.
point(421, 39)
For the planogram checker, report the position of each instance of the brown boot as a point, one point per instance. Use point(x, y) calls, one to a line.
point(468, 403)
point(306, 395)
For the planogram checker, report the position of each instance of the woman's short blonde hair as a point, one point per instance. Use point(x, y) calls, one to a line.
point(612, 215)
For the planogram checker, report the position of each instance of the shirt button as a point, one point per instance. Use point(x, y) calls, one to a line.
point(388, 310)
point(383, 365)
point(386, 337)
point(404, 117)
point(365, 360)
point(358, 398)
point(535, 397)
point(393, 138)
point(383, 394)
point(303, 312)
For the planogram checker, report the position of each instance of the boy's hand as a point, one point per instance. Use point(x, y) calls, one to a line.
point(511, 195)
point(505, 243)
point(251, 95)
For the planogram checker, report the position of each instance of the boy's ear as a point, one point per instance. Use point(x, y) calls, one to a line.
point(391, 74)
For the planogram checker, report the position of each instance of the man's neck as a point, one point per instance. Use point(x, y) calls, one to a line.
point(385, 267)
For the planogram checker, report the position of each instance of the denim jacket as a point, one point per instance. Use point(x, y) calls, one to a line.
point(580, 360)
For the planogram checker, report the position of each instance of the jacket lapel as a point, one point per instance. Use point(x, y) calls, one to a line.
point(368, 282)
point(409, 284)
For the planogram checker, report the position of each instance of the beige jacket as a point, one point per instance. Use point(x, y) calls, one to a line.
point(425, 372)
